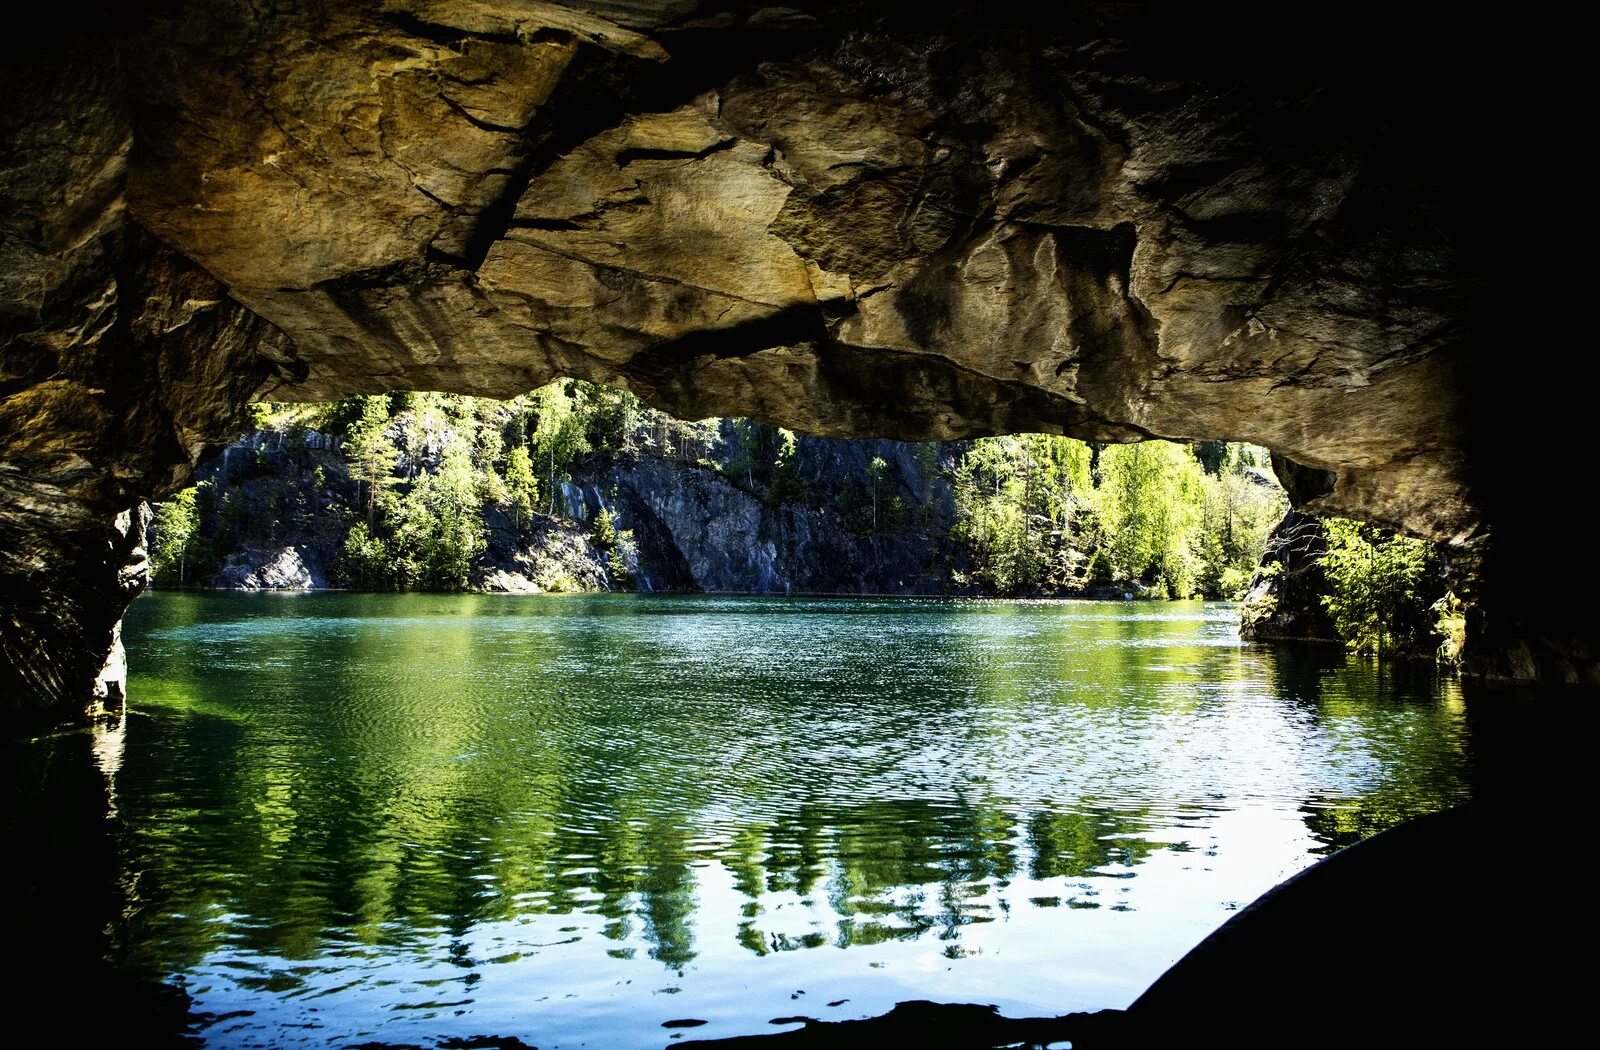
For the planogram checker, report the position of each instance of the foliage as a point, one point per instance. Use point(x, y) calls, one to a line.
point(786, 485)
point(560, 433)
point(622, 553)
point(432, 473)
point(365, 563)
point(1003, 491)
point(1151, 495)
point(176, 543)
point(439, 530)
point(369, 451)
point(1237, 516)
point(878, 486)
point(1450, 624)
point(522, 491)
point(1374, 577)
point(1033, 511)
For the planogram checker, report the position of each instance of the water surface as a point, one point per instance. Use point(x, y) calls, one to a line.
point(572, 819)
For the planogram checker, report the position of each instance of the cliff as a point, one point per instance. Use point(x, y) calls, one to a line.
point(277, 506)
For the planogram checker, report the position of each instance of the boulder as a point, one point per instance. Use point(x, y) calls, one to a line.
point(280, 569)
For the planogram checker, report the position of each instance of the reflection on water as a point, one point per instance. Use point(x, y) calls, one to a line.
point(574, 819)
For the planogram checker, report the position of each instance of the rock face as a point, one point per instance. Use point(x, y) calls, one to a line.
point(886, 219)
point(279, 505)
point(1284, 598)
point(696, 530)
point(283, 569)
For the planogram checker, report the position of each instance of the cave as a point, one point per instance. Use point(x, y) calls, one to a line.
point(921, 221)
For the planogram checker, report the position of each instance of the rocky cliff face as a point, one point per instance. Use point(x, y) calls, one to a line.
point(1284, 598)
point(698, 530)
point(920, 221)
point(279, 505)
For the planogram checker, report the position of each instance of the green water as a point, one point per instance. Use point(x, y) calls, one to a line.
point(572, 819)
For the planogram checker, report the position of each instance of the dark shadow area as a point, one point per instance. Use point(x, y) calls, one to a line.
point(67, 899)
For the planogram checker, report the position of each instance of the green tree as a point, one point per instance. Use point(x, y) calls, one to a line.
point(521, 487)
point(1238, 514)
point(786, 486)
point(1149, 507)
point(622, 553)
point(746, 440)
point(559, 436)
point(489, 448)
point(878, 484)
point(1374, 578)
point(369, 451)
point(612, 416)
point(994, 520)
point(440, 533)
point(175, 535)
point(365, 562)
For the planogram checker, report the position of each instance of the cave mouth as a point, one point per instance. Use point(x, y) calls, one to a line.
point(636, 801)
point(840, 219)
point(1115, 223)
point(835, 804)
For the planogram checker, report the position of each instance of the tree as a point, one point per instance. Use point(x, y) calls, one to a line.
point(1058, 475)
point(370, 452)
point(1374, 576)
point(559, 435)
point(745, 440)
point(521, 487)
point(1237, 515)
point(1149, 506)
point(440, 532)
point(364, 560)
point(786, 486)
point(489, 449)
point(622, 553)
point(992, 489)
point(877, 484)
point(176, 530)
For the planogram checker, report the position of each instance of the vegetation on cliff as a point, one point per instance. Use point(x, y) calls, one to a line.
point(408, 490)
point(1386, 593)
point(1376, 591)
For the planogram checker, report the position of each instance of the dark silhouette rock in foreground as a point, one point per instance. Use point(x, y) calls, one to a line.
point(936, 1026)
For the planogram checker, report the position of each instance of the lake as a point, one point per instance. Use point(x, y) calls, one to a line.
point(572, 819)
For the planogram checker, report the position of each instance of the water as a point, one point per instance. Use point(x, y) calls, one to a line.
point(572, 819)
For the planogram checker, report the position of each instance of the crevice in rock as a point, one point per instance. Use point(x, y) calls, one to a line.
point(453, 37)
point(628, 156)
point(787, 327)
point(581, 221)
point(600, 88)
point(1303, 484)
point(478, 122)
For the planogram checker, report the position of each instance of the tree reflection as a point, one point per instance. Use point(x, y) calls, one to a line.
point(382, 774)
point(1416, 761)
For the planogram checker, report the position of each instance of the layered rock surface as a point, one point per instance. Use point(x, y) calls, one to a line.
point(868, 219)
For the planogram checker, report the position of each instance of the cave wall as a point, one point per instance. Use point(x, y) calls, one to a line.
point(913, 221)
